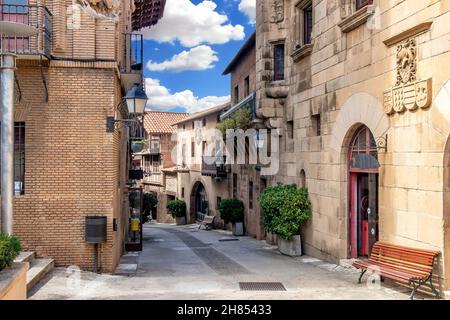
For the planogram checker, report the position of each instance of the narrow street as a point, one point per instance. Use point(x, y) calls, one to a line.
point(182, 262)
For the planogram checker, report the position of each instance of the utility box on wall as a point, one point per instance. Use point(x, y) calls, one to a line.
point(95, 231)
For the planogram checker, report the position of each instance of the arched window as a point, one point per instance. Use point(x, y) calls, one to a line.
point(363, 152)
point(302, 179)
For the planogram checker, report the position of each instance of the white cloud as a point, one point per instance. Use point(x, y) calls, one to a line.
point(198, 58)
point(193, 24)
point(161, 99)
point(249, 8)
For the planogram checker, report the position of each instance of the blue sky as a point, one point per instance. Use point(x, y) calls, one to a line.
point(187, 51)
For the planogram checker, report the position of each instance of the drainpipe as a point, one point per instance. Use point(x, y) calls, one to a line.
point(7, 66)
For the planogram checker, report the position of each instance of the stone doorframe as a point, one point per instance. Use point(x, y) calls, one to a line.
point(194, 190)
point(360, 109)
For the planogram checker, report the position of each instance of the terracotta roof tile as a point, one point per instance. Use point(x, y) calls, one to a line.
point(162, 122)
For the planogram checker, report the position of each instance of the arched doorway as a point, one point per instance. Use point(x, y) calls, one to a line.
point(199, 202)
point(363, 189)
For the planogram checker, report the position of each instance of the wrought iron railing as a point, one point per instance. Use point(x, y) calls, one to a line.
point(132, 60)
point(38, 17)
point(153, 178)
point(214, 166)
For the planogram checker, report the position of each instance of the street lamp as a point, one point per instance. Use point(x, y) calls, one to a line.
point(135, 99)
point(9, 29)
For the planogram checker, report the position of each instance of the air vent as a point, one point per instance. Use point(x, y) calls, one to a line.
point(261, 286)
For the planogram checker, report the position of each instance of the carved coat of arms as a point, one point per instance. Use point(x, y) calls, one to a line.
point(277, 11)
point(408, 93)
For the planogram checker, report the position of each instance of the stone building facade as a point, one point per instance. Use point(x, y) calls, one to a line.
point(69, 78)
point(249, 182)
point(202, 187)
point(361, 93)
point(156, 160)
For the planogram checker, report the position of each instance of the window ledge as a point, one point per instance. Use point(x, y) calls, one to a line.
point(356, 19)
point(277, 90)
point(302, 52)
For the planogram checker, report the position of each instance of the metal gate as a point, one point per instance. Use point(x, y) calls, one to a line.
point(201, 203)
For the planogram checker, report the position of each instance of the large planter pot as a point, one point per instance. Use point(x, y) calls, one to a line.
point(13, 282)
point(180, 220)
point(238, 229)
point(292, 248)
point(271, 238)
point(136, 147)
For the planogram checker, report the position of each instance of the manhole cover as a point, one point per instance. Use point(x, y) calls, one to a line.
point(231, 239)
point(261, 286)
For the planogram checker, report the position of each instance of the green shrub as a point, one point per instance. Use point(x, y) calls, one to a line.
point(177, 208)
point(284, 209)
point(150, 201)
point(240, 119)
point(10, 248)
point(231, 210)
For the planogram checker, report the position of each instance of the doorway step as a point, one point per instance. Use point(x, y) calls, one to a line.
point(39, 267)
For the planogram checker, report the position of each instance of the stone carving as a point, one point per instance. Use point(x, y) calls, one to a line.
point(406, 62)
point(409, 93)
point(103, 9)
point(277, 11)
point(408, 97)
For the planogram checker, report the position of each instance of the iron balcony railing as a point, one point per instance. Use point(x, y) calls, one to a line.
point(133, 52)
point(153, 178)
point(214, 166)
point(35, 16)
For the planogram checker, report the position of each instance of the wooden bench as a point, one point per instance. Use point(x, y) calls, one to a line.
point(207, 222)
point(402, 264)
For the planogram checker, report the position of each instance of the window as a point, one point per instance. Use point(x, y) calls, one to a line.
point(362, 3)
point(250, 194)
point(193, 149)
point(302, 179)
point(184, 127)
point(307, 23)
point(247, 86)
point(218, 199)
point(19, 158)
point(193, 124)
point(316, 124)
point(154, 142)
point(236, 94)
point(182, 192)
point(278, 55)
point(235, 185)
point(203, 148)
point(290, 129)
point(204, 122)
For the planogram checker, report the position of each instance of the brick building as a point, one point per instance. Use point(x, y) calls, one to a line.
point(156, 159)
point(360, 92)
point(69, 78)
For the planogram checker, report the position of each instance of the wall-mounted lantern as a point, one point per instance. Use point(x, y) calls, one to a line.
point(135, 101)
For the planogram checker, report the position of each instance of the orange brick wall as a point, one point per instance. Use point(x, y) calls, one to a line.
point(71, 163)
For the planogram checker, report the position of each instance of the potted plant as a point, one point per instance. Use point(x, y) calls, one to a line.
point(177, 209)
point(150, 201)
point(232, 210)
point(285, 208)
point(137, 145)
point(9, 249)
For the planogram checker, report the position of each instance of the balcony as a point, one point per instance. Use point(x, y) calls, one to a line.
point(131, 66)
point(30, 47)
point(214, 167)
point(248, 102)
point(154, 178)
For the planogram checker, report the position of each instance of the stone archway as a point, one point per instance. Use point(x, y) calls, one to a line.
point(361, 109)
point(199, 204)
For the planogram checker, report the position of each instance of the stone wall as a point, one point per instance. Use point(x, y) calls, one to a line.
point(344, 80)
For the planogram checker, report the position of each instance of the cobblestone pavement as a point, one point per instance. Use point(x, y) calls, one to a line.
point(182, 262)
